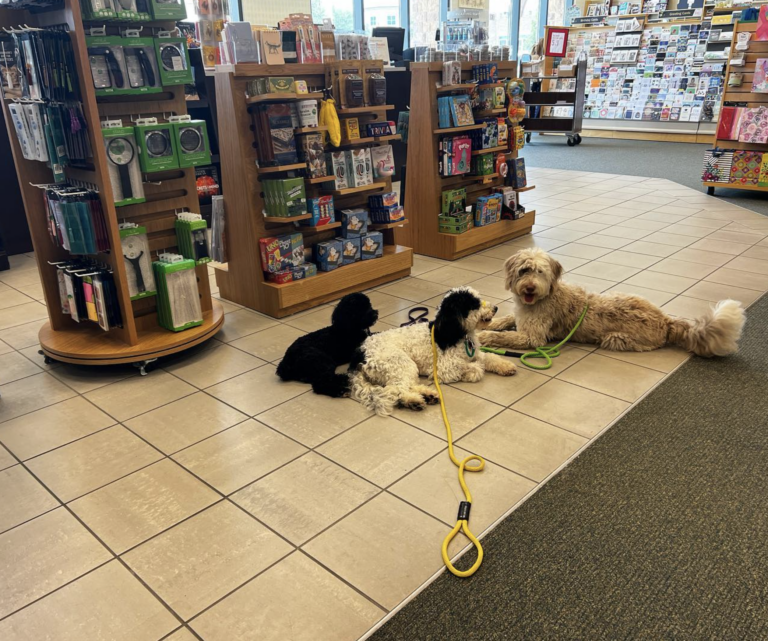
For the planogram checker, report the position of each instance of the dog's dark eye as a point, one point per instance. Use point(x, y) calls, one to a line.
point(524, 271)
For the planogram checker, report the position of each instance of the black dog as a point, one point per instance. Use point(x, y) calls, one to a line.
point(313, 358)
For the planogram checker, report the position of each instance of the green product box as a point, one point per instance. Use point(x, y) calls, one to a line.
point(167, 9)
point(143, 72)
point(285, 198)
point(447, 225)
point(178, 297)
point(192, 143)
point(126, 10)
point(453, 201)
point(281, 84)
point(98, 9)
point(109, 73)
point(191, 237)
point(173, 61)
point(123, 165)
point(157, 147)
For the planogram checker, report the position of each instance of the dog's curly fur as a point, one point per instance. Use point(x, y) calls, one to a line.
point(313, 358)
point(387, 369)
point(546, 309)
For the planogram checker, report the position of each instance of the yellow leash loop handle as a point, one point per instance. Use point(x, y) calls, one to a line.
point(464, 507)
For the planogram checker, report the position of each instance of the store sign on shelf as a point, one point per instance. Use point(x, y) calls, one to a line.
point(589, 20)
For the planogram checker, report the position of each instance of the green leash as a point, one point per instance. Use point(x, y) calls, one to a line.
point(547, 353)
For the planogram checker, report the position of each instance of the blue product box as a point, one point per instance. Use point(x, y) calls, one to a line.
point(350, 250)
point(354, 222)
point(328, 255)
point(372, 245)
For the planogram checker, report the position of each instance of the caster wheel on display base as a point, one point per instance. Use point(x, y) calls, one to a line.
point(144, 365)
point(710, 191)
point(527, 137)
point(46, 359)
point(570, 142)
point(577, 138)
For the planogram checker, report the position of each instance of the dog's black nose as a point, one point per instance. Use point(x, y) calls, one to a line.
point(530, 290)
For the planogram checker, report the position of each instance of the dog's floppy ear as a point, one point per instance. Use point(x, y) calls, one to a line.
point(449, 322)
point(510, 269)
point(557, 269)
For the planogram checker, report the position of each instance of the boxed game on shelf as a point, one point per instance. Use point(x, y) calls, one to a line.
point(276, 144)
point(455, 155)
point(454, 111)
point(285, 197)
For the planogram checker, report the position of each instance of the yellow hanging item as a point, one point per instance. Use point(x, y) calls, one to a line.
point(462, 522)
point(329, 118)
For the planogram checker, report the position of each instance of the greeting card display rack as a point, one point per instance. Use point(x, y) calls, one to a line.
point(140, 339)
point(242, 279)
point(744, 96)
point(425, 185)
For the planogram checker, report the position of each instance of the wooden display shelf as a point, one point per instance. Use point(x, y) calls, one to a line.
point(490, 150)
point(479, 238)
point(380, 226)
point(425, 186)
point(309, 130)
point(299, 295)
point(319, 179)
point(87, 344)
point(319, 228)
point(452, 130)
point(486, 85)
point(465, 87)
point(369, 140)
point(243, 280)
point(285, 220)
point(742, 95)
point(356, 190)
point(489, 112)
point(278, 168)
point(282, 97)
point(140, 337)
point(344, 111)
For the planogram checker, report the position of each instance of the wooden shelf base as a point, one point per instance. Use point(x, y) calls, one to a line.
point(282, 97)
point(343, 111)
point(290, 298)
point(285, 220)
point(380, 226)
point(318, 228)
point(87, 344)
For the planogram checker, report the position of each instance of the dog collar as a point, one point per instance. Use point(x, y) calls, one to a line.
point(469, 347)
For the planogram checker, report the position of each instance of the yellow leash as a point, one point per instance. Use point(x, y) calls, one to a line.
point(464, 507)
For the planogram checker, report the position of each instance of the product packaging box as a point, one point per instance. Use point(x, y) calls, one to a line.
point(328, 255)
point(351, 129)
point(350, 250)
point(453, 201)
point(377, 129)
point(337, 167)
point(123, 165)
point(166, 9)
point(276, 140)
point(321, 209)
point(354, 222)
point(383, 161)
point(285, 197)
point(360, 167)
point(279, 253)
point(157, 147)
point(107, 61)
point(141, 65)
point(281, 84)
point(313, 153)
point(191, 141)
point(173, 59)
point(372, 245)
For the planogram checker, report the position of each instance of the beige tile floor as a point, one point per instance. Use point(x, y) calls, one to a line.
point(210, 499)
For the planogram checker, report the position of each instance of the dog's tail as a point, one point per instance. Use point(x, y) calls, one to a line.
point(715, 334)
point(376, 398)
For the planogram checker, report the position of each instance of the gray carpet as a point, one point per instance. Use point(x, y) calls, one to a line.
point(680, 162)
point(657, 531)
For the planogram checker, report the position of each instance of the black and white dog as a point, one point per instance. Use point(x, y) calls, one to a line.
point(385, 372)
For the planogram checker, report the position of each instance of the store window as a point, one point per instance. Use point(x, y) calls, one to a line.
point(425, 21)
point(381, 12)
point(556, 13)
point(340, 12)
point(258, 12)
point(528, 35)
point(499, 24)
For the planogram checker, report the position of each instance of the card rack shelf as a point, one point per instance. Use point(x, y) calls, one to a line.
point(425, 185)
point(242, 279)
point(140, 338)
point(744, 96)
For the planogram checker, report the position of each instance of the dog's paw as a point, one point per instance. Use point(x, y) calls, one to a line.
point(416, 406)
point(505, 369)
point(489, 339)
point(473, 374)
point(431, 398)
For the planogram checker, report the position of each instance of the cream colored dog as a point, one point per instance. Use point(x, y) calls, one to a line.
point(547, 309)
